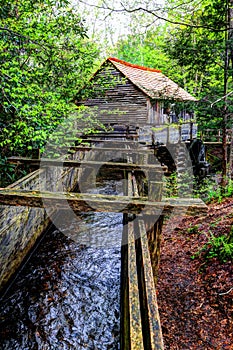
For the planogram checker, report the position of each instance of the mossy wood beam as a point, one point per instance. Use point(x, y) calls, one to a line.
point(85, 202)
point(215, 143)
point(140, 322)
point(131, 321)
point(152, 332)
point(106, 149)
point(96, 140)
point(115, 135)
point(87, 163)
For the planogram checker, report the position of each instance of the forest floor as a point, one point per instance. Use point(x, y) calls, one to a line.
point(195, 295)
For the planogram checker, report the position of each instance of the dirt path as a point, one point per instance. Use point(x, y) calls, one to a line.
point(195, 298)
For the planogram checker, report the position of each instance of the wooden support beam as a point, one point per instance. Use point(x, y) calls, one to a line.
point(124, 305)
point(135, 321)
point(217, 143)
point(122, 142)
point(140, 322)
point(155, 189)
point(85, 202)
point(107, 149)
point(152, 328)
point(87, 163)
point(135, 187)
point(114, 136)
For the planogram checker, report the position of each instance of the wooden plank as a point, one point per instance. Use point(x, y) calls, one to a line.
point(132, 325)
point(130, 185)
point(214, 143)
point(135, 187)
point(144, 323)
point(136, 337)
point(32, 177)
point(153, 319)
point(155, 190)
point(87, 163)
point(108, 149)
point(101, 203)
point(124, 307)
point(110, 134)
point(119, 142)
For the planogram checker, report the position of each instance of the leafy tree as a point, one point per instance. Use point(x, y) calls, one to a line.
point(146, 49)
point(45, 57)
point(199, 41)
point(204, 50)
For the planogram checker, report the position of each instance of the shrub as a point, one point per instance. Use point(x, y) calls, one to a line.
point(218, 247)
point(209, 189)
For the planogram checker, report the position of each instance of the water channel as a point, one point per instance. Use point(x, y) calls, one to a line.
point(67, 295)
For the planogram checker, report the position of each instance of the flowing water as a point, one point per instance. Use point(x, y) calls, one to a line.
point(67, 296)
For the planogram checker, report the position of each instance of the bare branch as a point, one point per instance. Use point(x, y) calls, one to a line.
point(153, 13)
point(222, 98)
point(226, 292)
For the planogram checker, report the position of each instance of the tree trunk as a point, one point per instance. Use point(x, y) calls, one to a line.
point(230, 171)
point(227, 71)
point(230, 37)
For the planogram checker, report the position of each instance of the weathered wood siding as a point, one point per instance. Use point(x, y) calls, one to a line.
point(123, 96)
point(20, 227)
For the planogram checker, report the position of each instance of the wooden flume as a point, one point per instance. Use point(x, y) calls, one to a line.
point(143, 212)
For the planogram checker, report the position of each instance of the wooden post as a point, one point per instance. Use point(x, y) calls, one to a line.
point(154, 236)
point(155, 189)
point(180, 133)
point(153, 223)
point(155, 184)
point(168, 135)
point(191, 131)
point(124, 306)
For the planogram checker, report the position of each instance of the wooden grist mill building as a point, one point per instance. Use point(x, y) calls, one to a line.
point(132, 95)
point(148, 106)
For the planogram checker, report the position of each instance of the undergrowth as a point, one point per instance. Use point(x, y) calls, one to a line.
point(208, 188)
point(9, 173)
point(220, 247)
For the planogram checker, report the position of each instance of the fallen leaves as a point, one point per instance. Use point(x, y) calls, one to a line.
point(195, 297)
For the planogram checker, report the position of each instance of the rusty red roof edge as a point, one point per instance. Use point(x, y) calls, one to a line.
point(114, 59)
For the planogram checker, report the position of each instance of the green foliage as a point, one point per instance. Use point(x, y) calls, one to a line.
point(68, 133)
point(170, 188)
point(9, 173)
point(45, 56)
point(200, 53)
point(179, 185)
point(145, 49)
point(209, 189)
point(193, 230)
point(218, 247)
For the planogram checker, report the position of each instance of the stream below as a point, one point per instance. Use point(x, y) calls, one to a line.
point(67, 295)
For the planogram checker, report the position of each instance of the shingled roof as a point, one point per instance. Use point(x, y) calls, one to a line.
point(151, 81)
